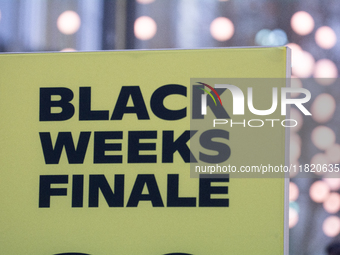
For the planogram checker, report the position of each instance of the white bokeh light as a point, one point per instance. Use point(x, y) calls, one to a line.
point(293, 191)
point(222, 29)
point(303, 64)
point(302, 23)
point(145, 28)
point(325, 37)
point(323, 137)
point(333, 183)
point(325, 71)
point(332, 203)
point(319, 191)
point(68, 22)
point(331, 226)
point(323, 108)
point(293, 217)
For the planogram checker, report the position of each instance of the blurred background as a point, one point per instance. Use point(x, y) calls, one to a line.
point(310, 28)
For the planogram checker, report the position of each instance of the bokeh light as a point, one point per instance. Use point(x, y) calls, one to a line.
point(68, 49)
point(302, 23)
point(266, 37)
point(222, 29)
point(333, 183)
point(319, 191)
point(323, 137)
point(68, 22)
point(261, 36)
point(294, 46)
point(293, 191)
point(323, 108)
point(293, 217)
point(333, 153)
point(145, 1)
point(325, 71)
point(332, 203)
point(145, 28)
point(303, 64)
point(325, 37)
point(277, 37)
point(331, 226)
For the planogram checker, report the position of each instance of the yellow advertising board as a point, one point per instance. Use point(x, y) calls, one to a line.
point(96, 155)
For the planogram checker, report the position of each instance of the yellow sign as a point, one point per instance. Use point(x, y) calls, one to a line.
point(95, 156)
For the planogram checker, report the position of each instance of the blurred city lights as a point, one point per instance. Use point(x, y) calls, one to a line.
point(323, 137)
point(293, 191)
point(325, 37)
point(277, 37)
point(293, 217)
point(295, 82)
point(145, 28)
point(325, 71)
point(323, 108)
point(267, 37)
point(68, 22)
point(332, 203)
point(333, 183)
point(331, 226)
point(333, 153)
point(319, 191)
point(302, 23)
point(302, 64)
point(145, 1)
point(296, 115)
point(222, 29)
point(261, 36)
